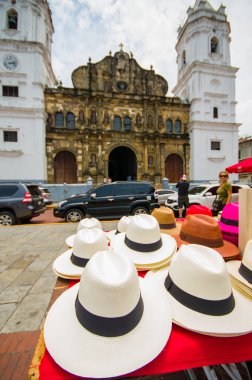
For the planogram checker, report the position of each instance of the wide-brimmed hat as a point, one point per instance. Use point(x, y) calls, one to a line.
point(242, 270)
point(86, 243)
point(83, 223)
point(198, 209)
point(122, 226)
point(144, 243)
point(229, 221)
point(98, 327)
point(201, 294)
point(205, 230)
point(166, 219)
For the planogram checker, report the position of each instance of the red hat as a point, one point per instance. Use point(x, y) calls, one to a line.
point(198, 209)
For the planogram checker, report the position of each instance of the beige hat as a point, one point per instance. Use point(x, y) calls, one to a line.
point(201, 295)
point(166, 219)
point(242, 270)
point(83, 223)
point(121, 226)
point(99, 327)
point(86, 243)
point(143, 242)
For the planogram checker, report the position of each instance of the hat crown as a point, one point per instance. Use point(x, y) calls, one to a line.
point(231, 211)
point(124, 223)
point(88, 241)
point(164, 216)
point(89, 223)
point(109, 286)
point(201, 272)
point(247, 255)
point(143, 229)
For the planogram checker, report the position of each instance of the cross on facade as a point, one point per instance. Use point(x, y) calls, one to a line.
point(121, 46)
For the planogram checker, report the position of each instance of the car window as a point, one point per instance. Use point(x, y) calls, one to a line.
point(142, 188)
point(8, 190)
point(197, 190)
point(104, 191)
point(235, 189)
point(212, 190)
point(123, 189)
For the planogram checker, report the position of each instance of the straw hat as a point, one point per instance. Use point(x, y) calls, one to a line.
point(122, 226)
point(229, 221)
point(144, 243)
point(242, 270)
point(99, 327)
point(205, 230)
point(86, 243)
point(198, 209)
point(201, 295)
point(166, 219)
point(84, 223)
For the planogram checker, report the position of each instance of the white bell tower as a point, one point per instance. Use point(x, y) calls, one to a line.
point(206, 79)
point(25, 70)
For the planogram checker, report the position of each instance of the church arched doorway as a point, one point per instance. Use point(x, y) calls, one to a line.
point(173, 167)
point(122, 164)
point(65, 167)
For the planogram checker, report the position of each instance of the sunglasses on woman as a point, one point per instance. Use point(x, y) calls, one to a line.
point(223, 175)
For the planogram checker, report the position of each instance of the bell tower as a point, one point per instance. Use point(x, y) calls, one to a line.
point(206, 80)
point(26, 31)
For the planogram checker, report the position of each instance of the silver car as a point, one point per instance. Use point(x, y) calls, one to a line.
point(162, 194)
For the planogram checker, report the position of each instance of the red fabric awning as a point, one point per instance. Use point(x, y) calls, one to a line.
point(244, 166)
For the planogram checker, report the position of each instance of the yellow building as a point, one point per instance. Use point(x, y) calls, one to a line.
point(116, 122)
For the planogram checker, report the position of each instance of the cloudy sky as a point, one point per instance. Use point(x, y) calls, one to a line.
point(148, 28)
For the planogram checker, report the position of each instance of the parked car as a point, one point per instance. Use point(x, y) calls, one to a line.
point(109, 201)
point(19, 202)
point(162, 195)
point(47, 196)
point(203, 194)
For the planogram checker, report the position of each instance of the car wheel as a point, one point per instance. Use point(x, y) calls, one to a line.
point(73, 216)
point(7, 218)
point(140, 210)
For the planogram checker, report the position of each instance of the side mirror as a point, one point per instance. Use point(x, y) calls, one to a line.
point(208, 194)
point(93, 196)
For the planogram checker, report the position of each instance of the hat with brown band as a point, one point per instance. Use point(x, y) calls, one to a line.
point(166, 219)
point(205, 230)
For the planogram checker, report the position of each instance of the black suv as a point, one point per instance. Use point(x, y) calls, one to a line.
point(109, 201)
point(19, 202)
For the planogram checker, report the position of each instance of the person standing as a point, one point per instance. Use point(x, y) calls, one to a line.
point(183, 198)
point(224, 191)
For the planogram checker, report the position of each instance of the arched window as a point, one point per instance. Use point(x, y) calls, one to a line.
point(59, 119)
point(177, 126)
point(184, 57)
point(117, 125)
point(150, 120)
point(12, 19)
point(81, 116)
point(93, 159)
point(214, 45)
point(169, 126)
point(70, 120)
point(215, 112)
point(150, 160)
point(160, 120)
point(127, 123)
point(93, 117)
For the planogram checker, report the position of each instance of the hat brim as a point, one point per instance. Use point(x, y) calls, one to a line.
point(238, 322)
point(172, 231)
point(233, 269)
point(83, 353)
point(229, 229)
point(169, 246)
point(111, 234)
point(64, 266)
point(228, 251)
point(161, 264)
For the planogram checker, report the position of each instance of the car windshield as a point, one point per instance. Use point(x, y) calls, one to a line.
point(197, 190)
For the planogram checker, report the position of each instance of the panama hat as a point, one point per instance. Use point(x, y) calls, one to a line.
point(242, 270)
point(83, 223)
point(201, 294)
point(144, 243)
point(205, 230)
point(198, 209)
point(229, 221)
point(122, 226)
point(86, 243)
point(99, 327)
point(166, 219)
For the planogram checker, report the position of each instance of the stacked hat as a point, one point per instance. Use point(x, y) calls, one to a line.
point(166, 219)
point(241, 271)
point(84, 223)
point(198, 209)
point(86, 243)
point(144, 243)
point(205, 230)
point(98, 327)
point(201, 294)
point(122, 226)
point(229, 223)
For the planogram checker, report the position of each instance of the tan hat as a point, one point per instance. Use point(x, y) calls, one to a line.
point(242, 270)
point(205, 230)
point(166, 219)
point(83, 223)
point(99, 327)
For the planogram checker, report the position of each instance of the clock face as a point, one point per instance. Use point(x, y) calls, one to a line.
point(10, 62)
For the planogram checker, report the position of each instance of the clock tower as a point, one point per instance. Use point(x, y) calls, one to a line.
point(25, 71)
point(206, 80)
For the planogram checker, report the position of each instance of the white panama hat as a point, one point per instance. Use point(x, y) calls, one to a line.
point(242, 270)
point(111, 323)
point(122, 226)
point(143, 242)
point(86, 243)
point(201, 295)
point(83, 223)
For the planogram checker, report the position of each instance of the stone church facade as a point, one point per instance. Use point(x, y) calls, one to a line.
point(116, 122)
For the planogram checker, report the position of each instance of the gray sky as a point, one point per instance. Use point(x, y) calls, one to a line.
point(148, 29)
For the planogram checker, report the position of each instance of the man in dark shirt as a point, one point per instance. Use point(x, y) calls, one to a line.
point(183, 199)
